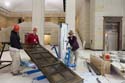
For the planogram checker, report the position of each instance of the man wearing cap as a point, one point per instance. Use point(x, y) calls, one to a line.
point(15, 47)
point(72, 40)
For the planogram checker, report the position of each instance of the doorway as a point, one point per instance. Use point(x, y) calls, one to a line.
point(112, 33)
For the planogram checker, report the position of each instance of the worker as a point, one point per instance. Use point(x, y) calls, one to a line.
point(72, 40)
point(15, 47)
point(33, 37)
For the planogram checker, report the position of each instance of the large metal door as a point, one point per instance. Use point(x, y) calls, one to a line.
point(112, 33)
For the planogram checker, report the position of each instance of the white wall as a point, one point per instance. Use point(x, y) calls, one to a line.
point(84, 22)
point(103, 8)
point(92, 23)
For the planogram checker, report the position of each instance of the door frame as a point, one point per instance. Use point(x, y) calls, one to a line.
point(117, 19)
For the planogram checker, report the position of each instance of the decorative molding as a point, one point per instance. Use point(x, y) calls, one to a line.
point(8, 13)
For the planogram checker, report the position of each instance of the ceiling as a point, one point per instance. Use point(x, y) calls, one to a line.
point(15, 8)
point(26, 5)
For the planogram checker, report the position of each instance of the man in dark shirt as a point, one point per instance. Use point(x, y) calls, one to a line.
point(14, 38)
point(74, 45)
point(15, 47)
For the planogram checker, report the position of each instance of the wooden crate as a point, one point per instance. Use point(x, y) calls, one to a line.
point(101, 65)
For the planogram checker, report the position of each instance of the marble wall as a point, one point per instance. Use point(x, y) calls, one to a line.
point(90, 20)
point(84, 22)
point(103, 8)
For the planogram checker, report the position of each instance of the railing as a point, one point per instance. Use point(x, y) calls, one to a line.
point(80, 38)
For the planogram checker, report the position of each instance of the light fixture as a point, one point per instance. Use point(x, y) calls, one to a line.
point(7, 4)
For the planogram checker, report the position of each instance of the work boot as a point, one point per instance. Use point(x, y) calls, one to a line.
point(16, 74)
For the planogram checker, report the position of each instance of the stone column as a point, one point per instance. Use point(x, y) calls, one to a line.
point(38, 10)
point(70, 14)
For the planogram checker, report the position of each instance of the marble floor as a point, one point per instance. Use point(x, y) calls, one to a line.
point(81, 70)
